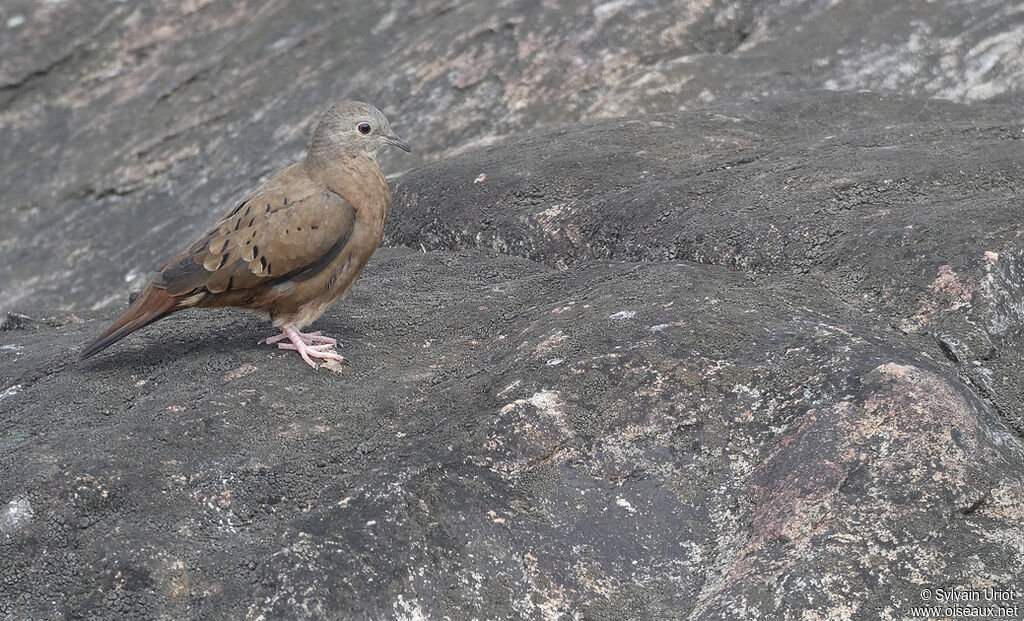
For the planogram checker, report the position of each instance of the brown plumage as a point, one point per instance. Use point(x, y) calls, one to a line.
point(290, 248)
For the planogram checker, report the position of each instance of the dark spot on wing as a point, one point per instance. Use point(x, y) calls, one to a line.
point(237, 209)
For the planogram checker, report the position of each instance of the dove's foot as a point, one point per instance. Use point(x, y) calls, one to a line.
point(311, 345)
point(308, 337)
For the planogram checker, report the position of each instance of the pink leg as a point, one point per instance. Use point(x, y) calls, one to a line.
point(304, 344)
point(306, 336)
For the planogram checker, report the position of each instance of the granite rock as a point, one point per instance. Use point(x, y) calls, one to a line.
point(669, 324)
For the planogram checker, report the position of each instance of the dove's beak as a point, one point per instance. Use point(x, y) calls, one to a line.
point(398, 142)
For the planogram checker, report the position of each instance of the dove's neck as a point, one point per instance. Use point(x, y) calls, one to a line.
point(356, 177)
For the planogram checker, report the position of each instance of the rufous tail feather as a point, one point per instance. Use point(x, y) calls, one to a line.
point(152, 305)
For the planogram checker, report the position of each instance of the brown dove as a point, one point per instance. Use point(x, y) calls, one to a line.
point(290, 248)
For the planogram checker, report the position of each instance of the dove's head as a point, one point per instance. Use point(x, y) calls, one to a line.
point(352, 128)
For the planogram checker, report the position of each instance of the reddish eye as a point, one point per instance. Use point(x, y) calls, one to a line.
point(364, 128)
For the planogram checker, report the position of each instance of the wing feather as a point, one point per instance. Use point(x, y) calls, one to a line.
point(290, 228)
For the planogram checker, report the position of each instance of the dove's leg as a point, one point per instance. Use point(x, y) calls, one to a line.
point(304, 344)
point(309, 337)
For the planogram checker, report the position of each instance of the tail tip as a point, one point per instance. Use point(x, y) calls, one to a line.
point(150, 306)
point(92, 349)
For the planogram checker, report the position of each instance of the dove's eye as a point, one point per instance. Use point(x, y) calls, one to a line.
point(364, 128)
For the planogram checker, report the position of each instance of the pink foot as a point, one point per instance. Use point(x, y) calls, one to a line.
point(309, 337)
point(312, 345)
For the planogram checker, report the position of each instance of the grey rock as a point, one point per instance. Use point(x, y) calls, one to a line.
point(725, 423)
point(809, 187)
point(127, 127)
point(744, 353)
point(17, 513)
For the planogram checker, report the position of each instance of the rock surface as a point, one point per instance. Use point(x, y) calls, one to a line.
point(126, 127)
point(758, 358)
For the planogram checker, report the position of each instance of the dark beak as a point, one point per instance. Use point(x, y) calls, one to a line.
point(398, 142)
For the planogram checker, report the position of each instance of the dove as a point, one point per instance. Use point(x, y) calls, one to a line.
point(292, 247)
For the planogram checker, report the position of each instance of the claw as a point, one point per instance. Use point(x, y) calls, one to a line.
point(321, 347)
point(309, 345)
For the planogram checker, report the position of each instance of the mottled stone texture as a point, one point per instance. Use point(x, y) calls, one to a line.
point(750, 351)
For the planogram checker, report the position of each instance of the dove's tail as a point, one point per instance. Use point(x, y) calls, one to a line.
point(152, 305)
